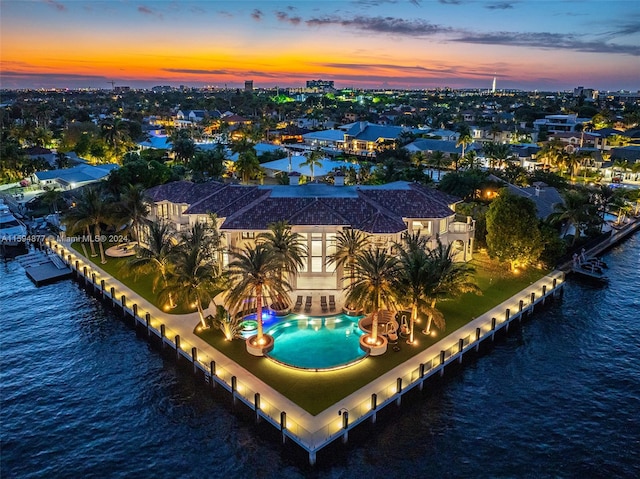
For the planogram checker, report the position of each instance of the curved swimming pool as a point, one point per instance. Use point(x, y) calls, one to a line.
point(317, 343)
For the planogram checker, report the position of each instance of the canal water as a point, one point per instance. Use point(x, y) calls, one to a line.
point(83, 397)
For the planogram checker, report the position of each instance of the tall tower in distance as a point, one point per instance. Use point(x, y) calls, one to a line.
point(248, 85)
point(493, 86)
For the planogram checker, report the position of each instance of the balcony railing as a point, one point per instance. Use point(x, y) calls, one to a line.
point(458, 227)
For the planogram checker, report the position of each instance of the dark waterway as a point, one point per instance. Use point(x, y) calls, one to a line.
point(83, 397)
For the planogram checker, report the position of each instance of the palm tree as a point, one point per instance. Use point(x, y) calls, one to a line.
point(375, 285)
point(267, 123)
point(414, 278)
point(436, 159)
point(448, 279)
point(134, 208)
point(115, 133)
point(494, 130)
point(464, 139)
point(550, 153)
point(455, 158)
point(242, 146)
point(193, 276)
point(247, 166)
point(498, 153)
point(92, 211)
point(62, 160)
point(253, 273)
point(155, 255)
point(582, 127)
point(314, 158)
point(183, 145)
point(571, 162)
point(349, 244)
point(472, 160)
point(573, 212)
point(228, 324)
point(286, 246)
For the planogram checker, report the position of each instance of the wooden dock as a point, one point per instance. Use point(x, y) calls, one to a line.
point(616, 236)
point(44, 268)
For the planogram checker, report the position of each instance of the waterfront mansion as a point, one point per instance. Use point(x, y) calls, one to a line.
point(318, 212)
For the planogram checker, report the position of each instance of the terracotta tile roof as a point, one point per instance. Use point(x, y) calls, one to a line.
point(220, 198)
point(382, 223)
point(370, 209)
point(183, 191)
point(412, 203)
point(242, 202)
point(318, 213)
point(264, 211)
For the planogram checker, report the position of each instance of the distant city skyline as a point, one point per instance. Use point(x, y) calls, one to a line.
point(525, 44)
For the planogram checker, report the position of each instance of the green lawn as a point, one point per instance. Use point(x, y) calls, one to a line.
point(141, 283)
point(316, 391)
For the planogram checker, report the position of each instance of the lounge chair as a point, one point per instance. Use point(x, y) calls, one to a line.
point(307, 304)
point(332, 302)
point(298, 305)
point(323, 304)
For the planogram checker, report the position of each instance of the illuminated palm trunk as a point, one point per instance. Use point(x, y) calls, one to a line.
point(98, 232)
point(427, 329)
point(412, 321)
point(259, 311)
point(374, 322)
point(200, 311)
point(93, 248)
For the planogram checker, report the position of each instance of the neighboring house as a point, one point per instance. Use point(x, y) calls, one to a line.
point(318, 212)
point(156, 142)
point(608, 136)
point(235, 121)
point(441, 134)
point(70, 178)
point(330, 139)
point(575, 140)
point(545, 197)
point(197, 116)
point(526, 155)
point(629, 155)
point(36, 152)
point(365, 139)
point(560, 123)
point(188, 118)
point(359, 138)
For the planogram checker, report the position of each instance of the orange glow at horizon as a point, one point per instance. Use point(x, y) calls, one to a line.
point(384, 44)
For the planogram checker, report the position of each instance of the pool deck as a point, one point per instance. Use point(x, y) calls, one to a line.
point(316, 307)
point(310, 432)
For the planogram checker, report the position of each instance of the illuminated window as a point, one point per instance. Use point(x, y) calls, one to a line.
point(331, 249)
point(304, 268)
point(423, 226)
point(443, 225)
point(316, 252)
point(248, 235)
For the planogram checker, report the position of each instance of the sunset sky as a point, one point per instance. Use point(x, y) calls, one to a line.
point(526, 44)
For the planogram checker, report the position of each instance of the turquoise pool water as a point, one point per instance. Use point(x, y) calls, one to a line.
point(316, 342)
